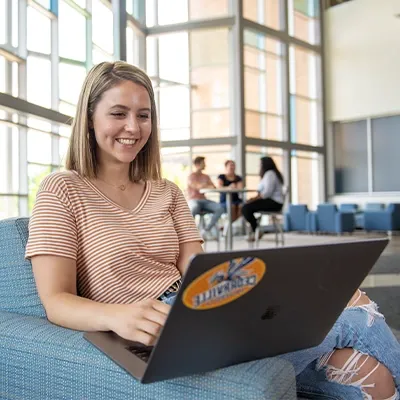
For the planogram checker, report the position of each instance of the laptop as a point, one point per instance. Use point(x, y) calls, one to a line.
point(245, 305)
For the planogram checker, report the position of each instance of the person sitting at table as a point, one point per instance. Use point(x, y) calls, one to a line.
point(233, 181)
point(198, 203)
point(269, 197)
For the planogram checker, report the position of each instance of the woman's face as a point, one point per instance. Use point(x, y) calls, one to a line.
point(122, 123)
point(230, 168)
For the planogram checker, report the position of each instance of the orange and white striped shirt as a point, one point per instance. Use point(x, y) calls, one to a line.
point(122, 256)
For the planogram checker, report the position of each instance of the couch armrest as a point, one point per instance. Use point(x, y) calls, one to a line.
point(345, 222)
point(39, 360)
point(312, 222)
point(286, 222)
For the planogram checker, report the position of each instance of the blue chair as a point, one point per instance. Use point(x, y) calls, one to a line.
point(297, 218)
point(384, 219)
point(329, 219)
point(39, 360)
point(358, 214)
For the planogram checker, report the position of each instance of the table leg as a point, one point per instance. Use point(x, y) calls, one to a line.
point(229, 213)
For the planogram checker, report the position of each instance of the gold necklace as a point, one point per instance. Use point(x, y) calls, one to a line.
point(120, 187)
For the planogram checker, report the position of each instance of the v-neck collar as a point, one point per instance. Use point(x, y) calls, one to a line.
point(136, 209)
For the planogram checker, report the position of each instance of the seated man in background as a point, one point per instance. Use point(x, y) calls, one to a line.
point(197, 201)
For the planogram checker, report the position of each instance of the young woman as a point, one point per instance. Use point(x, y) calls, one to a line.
point(109, 240)
point(230, 179)
point(270, 194)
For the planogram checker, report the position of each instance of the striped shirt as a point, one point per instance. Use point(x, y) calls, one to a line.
point(122, 256)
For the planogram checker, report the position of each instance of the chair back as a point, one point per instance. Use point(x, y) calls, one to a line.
point(298, 214)
point(374, 207)
point(348, 207)
point(326, 217)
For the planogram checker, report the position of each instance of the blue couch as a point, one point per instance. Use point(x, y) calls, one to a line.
point(384, 219)
point(39, 360)
point(328, 219)
point(297, 218)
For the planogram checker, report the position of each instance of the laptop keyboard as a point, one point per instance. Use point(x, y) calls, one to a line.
point(143, 352)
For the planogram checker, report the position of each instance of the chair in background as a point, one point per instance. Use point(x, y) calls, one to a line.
point(201, 225)
point(297, 218)
point(358, 214)
point(387, 219)
point(276, 218)
point(328, 219)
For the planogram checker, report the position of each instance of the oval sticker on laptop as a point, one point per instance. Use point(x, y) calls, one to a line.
point(224, 283)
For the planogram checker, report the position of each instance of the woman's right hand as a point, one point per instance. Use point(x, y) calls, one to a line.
point(139, 322)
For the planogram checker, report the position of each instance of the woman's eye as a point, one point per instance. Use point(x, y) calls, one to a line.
point(118, 114)
point(144, 116)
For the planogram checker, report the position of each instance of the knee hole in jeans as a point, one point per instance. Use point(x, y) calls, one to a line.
point(350, 367)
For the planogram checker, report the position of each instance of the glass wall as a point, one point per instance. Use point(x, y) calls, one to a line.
point(190, 50)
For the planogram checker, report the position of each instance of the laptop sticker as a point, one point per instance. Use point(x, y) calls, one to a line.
point(224, 283)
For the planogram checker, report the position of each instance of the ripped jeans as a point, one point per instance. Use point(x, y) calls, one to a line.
point(360, 327)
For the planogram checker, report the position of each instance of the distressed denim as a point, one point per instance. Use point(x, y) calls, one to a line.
point(360, 327)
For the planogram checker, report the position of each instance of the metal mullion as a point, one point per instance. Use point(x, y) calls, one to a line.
point(136, 24)
point(77, 8)
point(264, 113)
point(39, 55)
point(89, 38)
point(55, 145)
point(22, 88)
point(218, 141)
point(249, 141)
point(9, 54)
point(237, 79)
point(192, 25)
point(13, 194)
point(119, 29)
point(190, 77)
point(370, 157)
point(41, 9)
point(72, 62)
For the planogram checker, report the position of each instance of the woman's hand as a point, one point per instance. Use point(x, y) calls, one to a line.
point(139, 322)
point(233, 185)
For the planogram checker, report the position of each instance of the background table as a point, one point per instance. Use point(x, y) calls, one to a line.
point(228, 191)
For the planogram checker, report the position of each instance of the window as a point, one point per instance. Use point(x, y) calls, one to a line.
point(264, 12)
point(385, 149)
point(38, 89)
point(8, 206)
point(36, 173)
point(306, 178)
point(102, 25)
point(174, 113)
point(72, 41)
point(133, 43)
point(176, 165)
point(264, 88)
point(351, 157)
point(210, 88)
point(39, 142)
point(208, 9)
point(38, 32)
point(3, 22)
point(304, 20)
point(2, 74)
point(305, 97)
point(9, 152)
point(71, 80)
point(168, 14)
point(14, 22)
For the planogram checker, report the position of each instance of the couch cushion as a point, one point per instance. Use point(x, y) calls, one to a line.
point(39, 360)
point(18, 292)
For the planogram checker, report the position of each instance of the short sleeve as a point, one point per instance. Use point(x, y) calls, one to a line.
point(52, 228)
point(184, 224)
point(239, 178)
point(222, 176)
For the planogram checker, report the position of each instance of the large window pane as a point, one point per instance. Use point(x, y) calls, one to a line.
point(39, 142)
point(176, 165)
point(172, 14)
point(205, 9)
point(211, 123)
point(306, 178)
point(102, 26)
point(3, 22)
point(385, 149)
point(263, 86)
point(351, 157)
point(71, 80)
point(8, 206)
point(133, 40)
point(36, 173)
point(304, 20)
point(2, 74)
point(39, 82)
point(265, 12)
point(174, 113)
point(72, 41)
point(38, 31)
point(9, 166)
point(305, 99)
point(174, 68)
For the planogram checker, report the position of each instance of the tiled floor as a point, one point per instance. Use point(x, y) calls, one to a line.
point(382, 284)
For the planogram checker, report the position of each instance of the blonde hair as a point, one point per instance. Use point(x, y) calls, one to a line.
point(81, 155)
